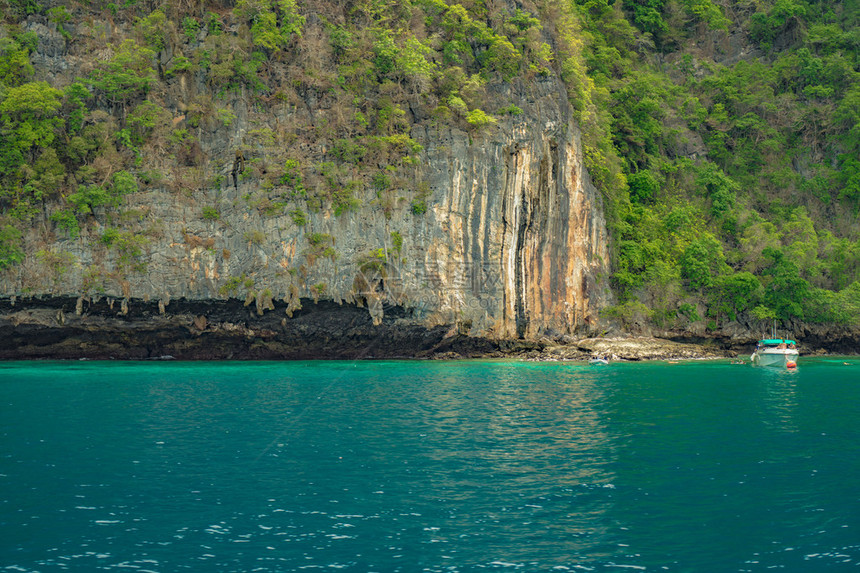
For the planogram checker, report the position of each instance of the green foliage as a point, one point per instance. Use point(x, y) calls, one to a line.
point(11, 244)
point(321, 245)
point(233, 284)
point(143, 120)
point(330, 253)
point(763, 313)
point(390, 118)
point(225, 116)
point(643, 187)
point(502, 57)
point(210, 213)
point(719, 187)
point(847, 305)
point(129, 248)
point(178, 65)
point(735, 293)
point(127, 75)
point(25, 7)
point(15, 64)
point(30, 169)
point(478, 118)
point(343, 199)
point(123, 184)
point(152, 29)
point(89, 197)
point(110, 236)
point(28, 115)
point(290, 21)
point(381, 181)
point(265, 31)
point(457, 104)
point(413, 61)
point(190, 28)
point(292, 177)
point(511, 110)
point(349, 151)
point(766, 25)
point(702, 261)
point(376, 261)
point(397, 241)
point(630, 313)
point(401, 144)
point(385, 53)
point(299, 218)
point(708, 12)
point(785, 290)
point(274, 23)
point(214, 26)
point(647, 15)
point(320, 239)
point(689, 311)
point(68, 221)
point(75, 108)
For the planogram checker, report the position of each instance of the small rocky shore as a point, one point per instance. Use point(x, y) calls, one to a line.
point(69, 328)
point(635, 348)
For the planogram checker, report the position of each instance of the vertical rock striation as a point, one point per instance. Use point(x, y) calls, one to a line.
point(512, 244)
point(517, 241)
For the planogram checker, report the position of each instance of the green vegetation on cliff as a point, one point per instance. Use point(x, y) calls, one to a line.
point(737, 130)
point(725, 137)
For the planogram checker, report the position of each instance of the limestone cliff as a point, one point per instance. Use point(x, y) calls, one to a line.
point(494, 233)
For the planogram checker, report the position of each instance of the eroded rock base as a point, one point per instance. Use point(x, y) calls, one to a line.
point(68, 328)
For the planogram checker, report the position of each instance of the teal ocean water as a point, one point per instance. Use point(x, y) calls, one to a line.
point(429, 466)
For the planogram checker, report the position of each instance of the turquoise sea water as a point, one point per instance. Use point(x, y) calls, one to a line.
point(429, 466)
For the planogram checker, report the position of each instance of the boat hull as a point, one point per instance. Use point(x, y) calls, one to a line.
point(774, 357)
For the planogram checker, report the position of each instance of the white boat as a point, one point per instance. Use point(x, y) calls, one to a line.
point(775, 352)
point(598, 361)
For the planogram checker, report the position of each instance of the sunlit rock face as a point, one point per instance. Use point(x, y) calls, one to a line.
point(509, 242)
point(517, 242)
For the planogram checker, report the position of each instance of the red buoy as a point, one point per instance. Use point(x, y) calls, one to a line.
point(791, 364)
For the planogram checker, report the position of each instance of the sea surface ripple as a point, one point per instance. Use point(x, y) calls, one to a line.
point(429, 466)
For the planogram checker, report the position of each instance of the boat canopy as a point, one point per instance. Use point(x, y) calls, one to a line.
point(776, 341)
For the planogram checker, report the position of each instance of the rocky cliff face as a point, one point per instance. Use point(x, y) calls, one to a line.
point(509, 241)
point(513, 243)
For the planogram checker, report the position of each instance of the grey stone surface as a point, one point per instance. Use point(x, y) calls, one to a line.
point(513, 243)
